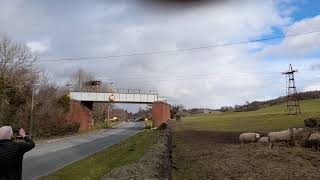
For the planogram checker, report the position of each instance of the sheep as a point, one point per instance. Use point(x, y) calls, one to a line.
point(263, 140)
point(285, 135)
point(297, 130)
point(312, 122)
point(249, 137)
point(314, 140)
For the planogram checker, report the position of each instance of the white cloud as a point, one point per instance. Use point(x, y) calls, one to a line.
point(315, 87)
point(299, 45)
point(38, 46)
point(305, 25)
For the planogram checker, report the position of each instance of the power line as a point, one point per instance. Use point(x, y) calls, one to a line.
point(181, 79)
point(109, 76)
point(209, 75)
point(186, 77)
point(247, 76)
point(197, 79)
point(177, 50)
point(264, 77)
point(155, 79)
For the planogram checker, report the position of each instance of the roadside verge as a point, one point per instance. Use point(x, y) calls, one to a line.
point(101, 163)
point(155, 164)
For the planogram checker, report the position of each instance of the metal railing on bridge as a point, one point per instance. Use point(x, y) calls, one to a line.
point(120, 91)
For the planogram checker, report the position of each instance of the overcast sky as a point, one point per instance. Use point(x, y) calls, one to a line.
point(209, 77)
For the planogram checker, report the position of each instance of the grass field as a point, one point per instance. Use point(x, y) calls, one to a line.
point(263, 120)
point(206, 146)
point(99, 164)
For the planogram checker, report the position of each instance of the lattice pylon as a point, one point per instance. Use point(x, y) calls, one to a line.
point(293, 104)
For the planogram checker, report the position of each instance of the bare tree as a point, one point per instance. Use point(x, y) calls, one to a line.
point(100, 111)
point(16, 78)
point(79, 78)
point(13, 57)
point(22, 86)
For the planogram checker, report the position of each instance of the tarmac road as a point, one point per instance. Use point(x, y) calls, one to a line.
point(56, 154)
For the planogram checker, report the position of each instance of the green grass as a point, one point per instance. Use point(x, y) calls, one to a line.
point(263, 120)
point(99, 164)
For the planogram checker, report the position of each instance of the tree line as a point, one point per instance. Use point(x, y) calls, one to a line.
point(29, 99)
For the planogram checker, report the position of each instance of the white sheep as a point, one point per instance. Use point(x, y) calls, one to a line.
point(249, 137)
point(286, 136)
point(314, 141)
point(297, 130)
point(263, 140)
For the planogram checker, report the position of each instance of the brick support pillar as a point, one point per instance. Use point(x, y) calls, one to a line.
point(81, 113)
point(160, 113)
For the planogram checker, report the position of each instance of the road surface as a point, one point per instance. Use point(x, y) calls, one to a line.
point(53, 155)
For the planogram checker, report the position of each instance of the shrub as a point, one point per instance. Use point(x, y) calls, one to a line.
point(105, 125)
point(57, 128)
point(64, 102)
point(101, 126)
point(148, 124)
point(148, 127)
point(75, 127)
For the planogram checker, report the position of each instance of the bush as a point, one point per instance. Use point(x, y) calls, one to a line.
point(73, 127)
point(148, 127)
point(312, 122)
point(148, 124)
point(105, 126)
point(64, 102)
point(101, 126)
point(57, 129)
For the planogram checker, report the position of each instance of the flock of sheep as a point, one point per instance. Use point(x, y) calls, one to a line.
point(286, 136)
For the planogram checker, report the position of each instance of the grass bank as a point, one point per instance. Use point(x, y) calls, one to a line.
point(263, 120)
point(101, 163)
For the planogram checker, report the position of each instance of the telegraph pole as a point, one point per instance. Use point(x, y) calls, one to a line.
point(31, 114)
point(293, 104)
point(108, 114)
point(31, 120)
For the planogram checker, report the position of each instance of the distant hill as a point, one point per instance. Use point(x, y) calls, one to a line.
point(198, 111)
point(255, 105)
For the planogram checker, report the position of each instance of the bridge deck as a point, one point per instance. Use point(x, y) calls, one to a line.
point(115, 97)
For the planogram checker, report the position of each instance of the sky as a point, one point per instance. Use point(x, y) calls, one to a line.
point(202, 78)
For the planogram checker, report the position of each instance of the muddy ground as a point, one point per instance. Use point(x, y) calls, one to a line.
point(201, 154)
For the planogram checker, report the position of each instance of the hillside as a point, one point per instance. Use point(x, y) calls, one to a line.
point(255, 105)
point(262, 120)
